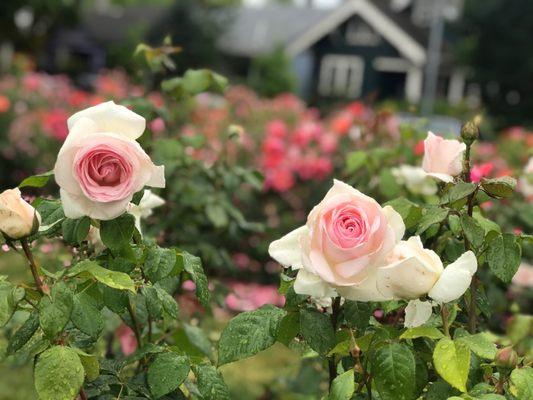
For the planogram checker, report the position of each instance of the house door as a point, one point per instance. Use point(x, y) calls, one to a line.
point(341, 76)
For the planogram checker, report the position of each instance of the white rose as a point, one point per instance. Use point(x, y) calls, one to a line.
point(415, 179)
point(148, 202)
point(18, 219)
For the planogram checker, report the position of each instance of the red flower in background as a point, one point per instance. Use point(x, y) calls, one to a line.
point(55, 124)
point(247, 296)
point(481, 171)
point(5, 104)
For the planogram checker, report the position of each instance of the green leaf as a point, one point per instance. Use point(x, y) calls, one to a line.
point(117, 233)
point(159, 263)
point(452, 362)
point(54, 311)
point(166, 373)
point(432, 215)
point(90, 365)
point(114, 299)
point(410, 212)
point(249, 333)
point(198, 339)
point(288, 328)
point(355, 160)
point(210, 383)
point(499, 187)
point(504, 256)
point(167, 301)
point(113, 279)
point(522, 383)
point(193, 265)
point(24, 333)
point(480, 345)
point(217, 215)
point(356, 314)
point(458, 192)
point(472, 230)
point(394, 372)
point(76, 230)
point(86, 317)
point(10, 296)
point(51, 212)
point(58, 374)
point(317, 331)
point(343, 386)
point(422, 331)
point(37, 180)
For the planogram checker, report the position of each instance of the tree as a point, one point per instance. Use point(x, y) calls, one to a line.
point(271, 74)
point(497, 46)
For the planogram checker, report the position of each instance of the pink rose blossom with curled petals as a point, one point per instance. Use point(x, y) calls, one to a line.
point(101, 165)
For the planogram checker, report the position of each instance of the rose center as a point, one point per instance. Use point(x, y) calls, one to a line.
point(348, 226)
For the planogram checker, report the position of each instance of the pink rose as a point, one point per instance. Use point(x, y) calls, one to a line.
point(101, 165)
point(443, 158)
point(481, 171)
point(347, 235)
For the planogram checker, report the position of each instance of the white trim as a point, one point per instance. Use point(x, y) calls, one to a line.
point(413, 84)
point(390, 64)
point(456, 87)
point(404, 43)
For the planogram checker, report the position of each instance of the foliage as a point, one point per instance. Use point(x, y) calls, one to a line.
point(271, 74)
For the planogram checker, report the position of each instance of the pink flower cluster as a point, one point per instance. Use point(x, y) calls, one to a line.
point(250, 296)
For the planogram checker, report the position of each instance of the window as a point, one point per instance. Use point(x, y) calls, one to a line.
point(341, 76)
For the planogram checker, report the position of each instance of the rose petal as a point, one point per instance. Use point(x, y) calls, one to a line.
point(395, 221)
point(365, 291)
point(79, 206)
point(312, 285)
point(111, 117)
point(417, 313)
point(287, 250)
point(455, 279)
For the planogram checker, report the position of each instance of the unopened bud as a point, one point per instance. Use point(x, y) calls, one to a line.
point(506, 358)
point(469, 132)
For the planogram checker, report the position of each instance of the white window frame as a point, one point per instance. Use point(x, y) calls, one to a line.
point(341, 76)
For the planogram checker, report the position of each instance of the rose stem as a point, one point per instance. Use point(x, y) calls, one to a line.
point(472, 323)
point(33, 266)
point(335, 308)
point(83, 396)
point(135, 324)
point(445, 323)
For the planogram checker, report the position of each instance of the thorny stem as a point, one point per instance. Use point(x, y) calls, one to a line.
point(33, 266)
point(335, 308)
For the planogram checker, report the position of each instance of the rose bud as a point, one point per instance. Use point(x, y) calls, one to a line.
point(18, 219)
point(506, 358)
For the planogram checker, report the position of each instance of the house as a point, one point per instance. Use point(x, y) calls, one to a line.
point(359, 48)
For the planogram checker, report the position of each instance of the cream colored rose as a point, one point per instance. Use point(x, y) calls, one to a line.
point(525, 183)
point(414, 179)
point(443, 158)
point(101, 165)
point(18, 219)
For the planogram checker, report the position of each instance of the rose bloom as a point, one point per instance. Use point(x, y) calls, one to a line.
point(18, 219)
point(443, 158)
point(100, 165)
point(351, 246)
point(414, 179)
point(347, 235)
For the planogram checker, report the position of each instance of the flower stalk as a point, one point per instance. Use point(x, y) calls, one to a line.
point(33, 266)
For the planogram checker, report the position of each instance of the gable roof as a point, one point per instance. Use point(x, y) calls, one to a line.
point(256, 31)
